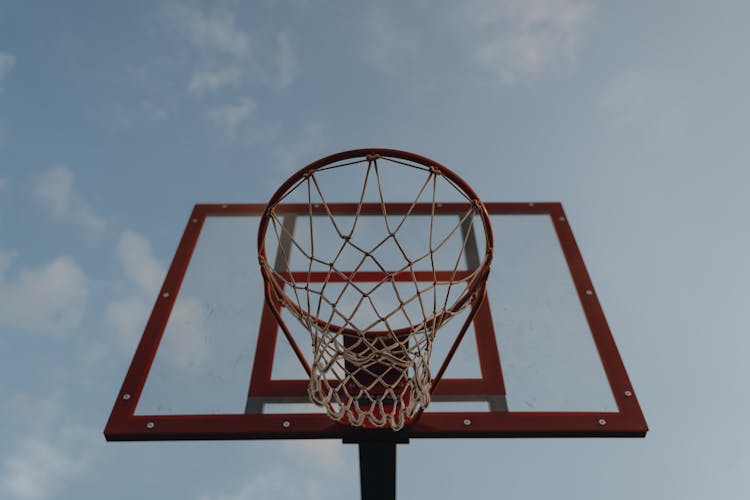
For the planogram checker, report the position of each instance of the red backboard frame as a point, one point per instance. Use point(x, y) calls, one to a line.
point(628, 421)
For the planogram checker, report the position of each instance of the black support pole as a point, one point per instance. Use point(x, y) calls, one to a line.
point(377, 470)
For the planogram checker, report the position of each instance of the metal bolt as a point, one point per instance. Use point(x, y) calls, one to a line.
point(628, 393)
point(602, 421)
point(165, 295)
point(194, 221)
point(467, 422)
point(562, 218)
point(150, 425)
point(126, 396)
point(285, 424)
point(531, 204)
point(589, 292)
point(316, 205)
point(223, 206)
point(439, 205)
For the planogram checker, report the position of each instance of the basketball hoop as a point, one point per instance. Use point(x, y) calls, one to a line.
point(372, 326)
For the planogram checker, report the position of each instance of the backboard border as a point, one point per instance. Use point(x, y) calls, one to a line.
point(628, 421)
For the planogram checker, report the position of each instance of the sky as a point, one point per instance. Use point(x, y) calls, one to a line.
point(117, 117)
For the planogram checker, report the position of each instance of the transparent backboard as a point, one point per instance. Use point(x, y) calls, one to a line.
point(538, 358)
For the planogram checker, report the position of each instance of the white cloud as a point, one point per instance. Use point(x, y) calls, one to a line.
point(319, 463)
point(54, 188)
point(385, 46)
point(37, 470)
point(264, 132)
point(232, 117)
point(214, 31)
point(152, 112)
point(522, 39)
point(205, 81)
point(128, 315)
point(286, 62)
point(46, 460)
point(297, 151)
point(263, 485)
point(138, 262)
point(49, 300)
point(227, 55)
point(645, 99)
point(48, 449)
point(7, 61)
point(325, 456)
point(187, 345)
point(144, 112)
point(186, 342)
point(277, 484)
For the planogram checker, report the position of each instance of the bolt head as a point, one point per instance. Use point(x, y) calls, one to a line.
point(286, 424)
point(589, 292)
point(628, 393)
point(126, 397)
point(150, 425)
point(165, 295)
point(602, 421)
point(467, 422)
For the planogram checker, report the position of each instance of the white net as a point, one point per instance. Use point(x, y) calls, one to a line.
point(364, 280)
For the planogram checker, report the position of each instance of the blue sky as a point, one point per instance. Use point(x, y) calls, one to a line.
point(115, 118)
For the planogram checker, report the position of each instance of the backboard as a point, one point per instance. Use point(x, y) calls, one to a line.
point(538, 359)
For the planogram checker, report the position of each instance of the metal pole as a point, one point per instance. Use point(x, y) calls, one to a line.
point(377, 470)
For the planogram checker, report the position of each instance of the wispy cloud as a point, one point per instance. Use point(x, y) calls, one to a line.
point(145, 112)
point(301, 147)
point(49, 453)
point(127, 316)
point(185, 345)
point(233, 116)
point(212, 31)
point(204, 80)
point(319, 463)
point(326, 457)
point(645, 99)
point(228, 55)
point(141, 269)
point(386, 47)
point(138, 262)
point(55, 190)
point(38, 469)
point(522, 39)
point(285, 61)
point(7, 61)
point(272, 484)
point(276, 484)
point(49, 300)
